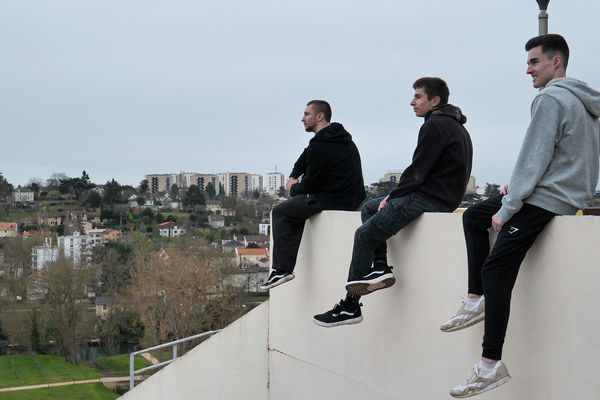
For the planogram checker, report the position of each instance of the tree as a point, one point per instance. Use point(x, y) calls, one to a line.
point(381, 189)
point(76, 186)
point(193, 197)
point(210, 190)
point(94, 200)
point(174, 191)
point(54, 181)
point(5, 187)
point(174, 292)
point(35, 184)
point(113, 193)
point(282, 192)
point(491, 189)
point(113, 265)
point(143, 186)
point(65, 286)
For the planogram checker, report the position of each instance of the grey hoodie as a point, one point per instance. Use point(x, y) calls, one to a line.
point(557, 168)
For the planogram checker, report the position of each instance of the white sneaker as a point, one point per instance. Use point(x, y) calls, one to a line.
point(478, 382)
point(467, 315)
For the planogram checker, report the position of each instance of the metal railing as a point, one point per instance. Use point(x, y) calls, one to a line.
point(174, 343)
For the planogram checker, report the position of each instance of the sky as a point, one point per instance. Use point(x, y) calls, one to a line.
point(125, 88)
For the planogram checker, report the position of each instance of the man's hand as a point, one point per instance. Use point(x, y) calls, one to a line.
point(383, 203)
point(497, 222)
point(289, 183)
point(504, 190)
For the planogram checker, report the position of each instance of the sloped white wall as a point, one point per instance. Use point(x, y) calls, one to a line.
point(398, 351)
point(230, 365)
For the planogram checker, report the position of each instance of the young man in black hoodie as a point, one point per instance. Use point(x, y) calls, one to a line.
point(434, 182)
point(332, 179)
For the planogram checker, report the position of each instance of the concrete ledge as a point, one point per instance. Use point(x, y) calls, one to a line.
point(398, 351)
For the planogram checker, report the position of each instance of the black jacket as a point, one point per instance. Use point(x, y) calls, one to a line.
point(441, 164)
point(332, 171)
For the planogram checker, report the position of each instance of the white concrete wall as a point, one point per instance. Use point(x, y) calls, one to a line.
point(398, 351)
point(230, 365)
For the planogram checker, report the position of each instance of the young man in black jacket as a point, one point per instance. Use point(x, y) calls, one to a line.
point(434, 182)
point(332, 179)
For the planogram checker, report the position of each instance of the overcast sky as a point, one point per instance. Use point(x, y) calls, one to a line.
point(131, 87)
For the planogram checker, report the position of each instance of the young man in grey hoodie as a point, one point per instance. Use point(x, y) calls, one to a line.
point(556, 172)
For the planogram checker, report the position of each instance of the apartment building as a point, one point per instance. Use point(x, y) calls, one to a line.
point(275, 180)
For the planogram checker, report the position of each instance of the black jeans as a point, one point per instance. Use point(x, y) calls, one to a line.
point(378, 226)
point(494, 273)
point(287, 219)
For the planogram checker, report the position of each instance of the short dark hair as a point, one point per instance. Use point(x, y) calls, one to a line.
point(551, 44)
point(433, 87)
point(321, 106)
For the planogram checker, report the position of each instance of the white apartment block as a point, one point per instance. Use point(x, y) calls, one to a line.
point(275, 180)
point(76, 247)
point(44, 254)
point(22, 196)
point(472, 186)
point(256, 183)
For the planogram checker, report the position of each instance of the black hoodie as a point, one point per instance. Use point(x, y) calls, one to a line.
point(441, 164)
point(332, 171)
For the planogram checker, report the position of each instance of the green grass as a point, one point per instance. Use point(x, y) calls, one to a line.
point(36, 370)
point(94, 391)
point(119, 365)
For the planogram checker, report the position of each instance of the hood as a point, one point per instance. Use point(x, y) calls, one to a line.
point(588, 96)
point(450, 111)
point(333, 132)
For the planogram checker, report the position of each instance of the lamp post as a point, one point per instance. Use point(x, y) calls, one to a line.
point(543, 16)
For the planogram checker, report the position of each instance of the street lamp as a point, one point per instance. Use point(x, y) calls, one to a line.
point(543, 16)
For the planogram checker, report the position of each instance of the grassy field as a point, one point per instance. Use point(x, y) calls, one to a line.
point(36, 370)
point(94, 391)
point(119, 365)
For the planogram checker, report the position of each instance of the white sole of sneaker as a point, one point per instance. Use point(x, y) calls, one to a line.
point(340, 323)
point(279, 282)
point(472, 322)
point(485, 389)
point(361, 288)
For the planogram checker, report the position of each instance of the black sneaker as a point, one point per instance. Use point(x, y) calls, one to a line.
point(379, 277)
point(344, 313)
point(277, 278)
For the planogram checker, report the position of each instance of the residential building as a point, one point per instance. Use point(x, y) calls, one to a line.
point(256, 183)
point(237, 183)
point(8, 229)
point(471, 186)
point(22, 196)
point(217, 208)
point(160, 183)
point(252, 257)
point(275, 180)
point(249, 279)
point(216, 221)
point(229, 246)
point(393, 176)
point(169, 229)
point(258, 240)
point(76, 247)
point(44, 254)
point(264, 229)
point(105, 306)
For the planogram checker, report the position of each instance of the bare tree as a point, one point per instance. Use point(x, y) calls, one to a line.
point(177, 293)
point(65, 285)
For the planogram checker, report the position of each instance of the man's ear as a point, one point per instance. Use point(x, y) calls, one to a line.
point(436, 101)
point(320, 116)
